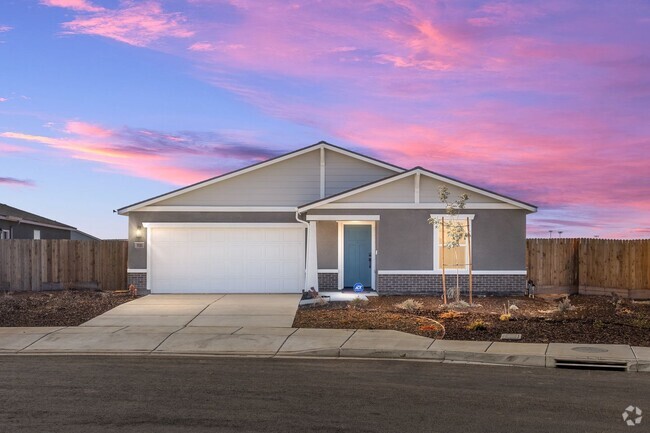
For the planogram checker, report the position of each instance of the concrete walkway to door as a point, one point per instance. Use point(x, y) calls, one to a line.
point(267, 310)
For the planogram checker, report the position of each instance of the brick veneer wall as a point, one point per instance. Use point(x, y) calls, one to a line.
point(431, 284)
point(139, 279)
point(328, 281)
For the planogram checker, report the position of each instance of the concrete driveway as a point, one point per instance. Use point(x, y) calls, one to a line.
point(177, 311)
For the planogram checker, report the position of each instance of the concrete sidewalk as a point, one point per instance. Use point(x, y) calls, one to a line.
point(292, 342)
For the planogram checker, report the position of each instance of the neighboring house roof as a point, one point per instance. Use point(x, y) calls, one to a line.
point(82, 235)
point(411, 172)
point(213, 180)
point(9, 213)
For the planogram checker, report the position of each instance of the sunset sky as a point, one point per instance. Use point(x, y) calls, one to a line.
point(105, 103)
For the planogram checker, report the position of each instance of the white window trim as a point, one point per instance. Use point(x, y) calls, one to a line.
point(342, 217)
point(5, 234)
point(373, 251)
point(37, 232)
point(436, 254)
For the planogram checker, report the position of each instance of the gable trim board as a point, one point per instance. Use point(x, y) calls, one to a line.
point(321, 145)
point(414, 172)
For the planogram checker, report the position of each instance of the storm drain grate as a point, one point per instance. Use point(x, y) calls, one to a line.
point(591, 364)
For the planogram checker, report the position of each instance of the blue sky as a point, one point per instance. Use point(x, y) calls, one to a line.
point(105, 103)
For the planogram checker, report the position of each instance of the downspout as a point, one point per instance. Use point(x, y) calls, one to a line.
point(311, 255)
point(306, 245)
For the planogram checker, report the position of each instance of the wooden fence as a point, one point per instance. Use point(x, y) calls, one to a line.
point(593, 266)
point(60, 264)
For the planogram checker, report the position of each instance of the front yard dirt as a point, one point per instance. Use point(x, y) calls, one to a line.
point(64, 308)
point(591, 319)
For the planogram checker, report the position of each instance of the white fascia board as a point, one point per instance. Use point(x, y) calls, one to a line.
point(413, 206)
point(217, 209)
point(450, 272)
point(478, 190)
point(223, 225)
point(514, 203)
point(34, 223)
point(219, 179)
point(342, 217)
point(355, 191)
point(256, 167)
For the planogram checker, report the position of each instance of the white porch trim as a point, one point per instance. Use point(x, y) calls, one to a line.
point(311, 265)
point(413, 206)
point(342, 217)
point(136, 271)
point(328, 271)
point(373, 251)
point(461, 272)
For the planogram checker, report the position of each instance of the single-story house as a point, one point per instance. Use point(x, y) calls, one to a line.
point(19, 224)
point(322, 217)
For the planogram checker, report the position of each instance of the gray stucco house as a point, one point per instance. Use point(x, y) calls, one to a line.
point(19, 224)
point(322, 217)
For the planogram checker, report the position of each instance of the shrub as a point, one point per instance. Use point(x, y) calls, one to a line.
point(477, 325)
point(410, 305)
point(450, 315)
point(565, 305)
point(505, 317)
point(358, 302)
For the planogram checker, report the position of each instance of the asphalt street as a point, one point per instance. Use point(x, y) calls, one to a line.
point(192, 394)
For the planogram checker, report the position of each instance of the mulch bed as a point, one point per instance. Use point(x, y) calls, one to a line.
point(61, 308)
point(592, 319)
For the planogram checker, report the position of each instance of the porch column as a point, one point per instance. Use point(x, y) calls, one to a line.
point(311, 276)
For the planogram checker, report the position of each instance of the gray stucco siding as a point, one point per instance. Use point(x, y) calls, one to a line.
point(138, 256)
point(327, 243)
point(405, 239)
point(26, 231)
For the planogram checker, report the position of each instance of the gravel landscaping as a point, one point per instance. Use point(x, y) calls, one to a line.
point(585, 319)
point(61, 308)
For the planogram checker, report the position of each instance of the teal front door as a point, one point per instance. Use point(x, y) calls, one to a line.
point(357, 255)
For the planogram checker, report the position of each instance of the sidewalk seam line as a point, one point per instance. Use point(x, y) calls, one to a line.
point(285, 340)
point(165, 339)
point(39, 339)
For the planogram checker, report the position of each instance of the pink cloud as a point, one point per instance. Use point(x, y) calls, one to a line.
point(138, 23)
point(4, 29)
point(86, 129)
point(179, 158)
point(76, 5)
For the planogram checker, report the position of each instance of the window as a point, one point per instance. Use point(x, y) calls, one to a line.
point(5, 234)
point(37, 234)
point(456, 257)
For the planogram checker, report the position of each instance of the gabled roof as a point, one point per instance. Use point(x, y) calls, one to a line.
point(213, 180)
point(9, 213)
point(411, 172)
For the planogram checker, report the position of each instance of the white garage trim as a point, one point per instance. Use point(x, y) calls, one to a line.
point(224, 225)
point(225, 257)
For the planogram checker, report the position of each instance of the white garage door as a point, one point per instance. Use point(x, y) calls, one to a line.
point(227, 259)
